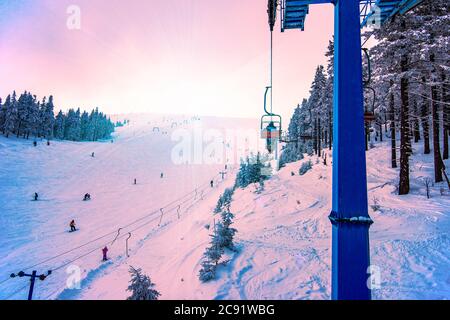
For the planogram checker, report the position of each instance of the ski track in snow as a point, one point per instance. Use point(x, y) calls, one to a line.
point(284, 235)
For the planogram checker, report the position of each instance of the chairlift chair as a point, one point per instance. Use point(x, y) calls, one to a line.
point(271, 126)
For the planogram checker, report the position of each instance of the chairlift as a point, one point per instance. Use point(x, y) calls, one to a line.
point(271, 126)
point(271, 123)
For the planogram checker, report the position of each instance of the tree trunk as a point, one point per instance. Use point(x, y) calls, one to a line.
point(18, 130)
point(446, 116)
point(319, 138)
point(425, 124)
point(436, 144)
point(426, 134)
point(416, 130)
point(405, 144)
point(330, 129)
point(393, 138)
point(381, 131)
point(366, 127)
point(315, 137)
point(385, 122)
point(438, 163)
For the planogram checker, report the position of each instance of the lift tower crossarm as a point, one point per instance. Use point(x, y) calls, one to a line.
point(294, 12)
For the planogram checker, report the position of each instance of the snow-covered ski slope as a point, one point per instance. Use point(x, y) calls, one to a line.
point(62, 173)
point(284, 235)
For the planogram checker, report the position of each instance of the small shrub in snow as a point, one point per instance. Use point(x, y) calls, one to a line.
point(208, 271)
point(427, 182)
point(141, 286)
point(260, 187)
point(375, 206)
point(305, 167)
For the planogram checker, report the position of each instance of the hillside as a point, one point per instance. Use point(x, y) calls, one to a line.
point(284, 235)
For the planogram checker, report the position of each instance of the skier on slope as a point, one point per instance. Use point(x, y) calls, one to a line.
point(162, 175)
point(36, 196)
point(105, 252)
point(212, 183)
point(73, 226)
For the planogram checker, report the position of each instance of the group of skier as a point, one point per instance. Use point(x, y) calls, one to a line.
point(35, 143)
point(105, 250)
point(87, 197)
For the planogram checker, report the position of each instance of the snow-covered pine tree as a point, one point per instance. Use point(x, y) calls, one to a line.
point(432, 36)
point(242, 175)
point(2, 114)
point(224, 230)
point(48, 118)
point(291, 151)
point(327, 98)
point(392, 64)
point(315, 105)
point(11, 115)
point(26, 116)
point(141, 286)
point(224, 200)
point(72, 125)
point(34, 116)
point(58, 129)
point(22, 114)
point(84, 126)
point(211, 258)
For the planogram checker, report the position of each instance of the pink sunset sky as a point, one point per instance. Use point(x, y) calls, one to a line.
point(181, 56)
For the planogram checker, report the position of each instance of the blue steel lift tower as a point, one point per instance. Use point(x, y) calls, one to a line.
point(349, 215)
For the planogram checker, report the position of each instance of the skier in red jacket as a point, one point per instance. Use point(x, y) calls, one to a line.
point(105, 251)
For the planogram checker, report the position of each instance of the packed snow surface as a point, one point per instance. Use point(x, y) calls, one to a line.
point(284, 235)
